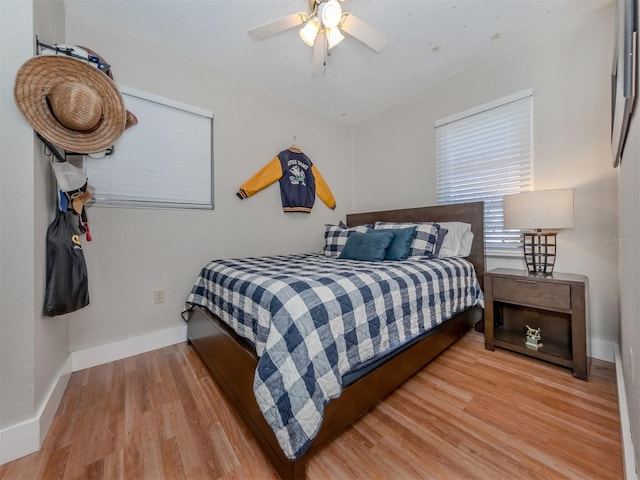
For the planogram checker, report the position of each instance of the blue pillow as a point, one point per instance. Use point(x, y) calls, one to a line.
point(370, 247)
point(400, 246)
point(424, 241)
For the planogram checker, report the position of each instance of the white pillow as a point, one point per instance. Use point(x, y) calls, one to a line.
point(457, 242)
point(465, 244)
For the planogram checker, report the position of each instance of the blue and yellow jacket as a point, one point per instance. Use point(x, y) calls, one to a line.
point(300, 181)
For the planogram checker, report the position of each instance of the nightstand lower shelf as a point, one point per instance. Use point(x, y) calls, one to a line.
point(549, 352)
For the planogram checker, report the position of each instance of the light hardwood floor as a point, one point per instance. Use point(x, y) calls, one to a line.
point(470, 414)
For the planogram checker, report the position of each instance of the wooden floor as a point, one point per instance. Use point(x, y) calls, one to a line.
point(470, 414)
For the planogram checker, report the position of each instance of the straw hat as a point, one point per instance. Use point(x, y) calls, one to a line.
point(70, 103)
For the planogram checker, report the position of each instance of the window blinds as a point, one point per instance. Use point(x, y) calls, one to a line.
point(485, 154)
point(164, 161)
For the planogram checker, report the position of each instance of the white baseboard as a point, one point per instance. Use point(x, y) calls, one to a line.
point(19, 440)
point(26, 437)
point(602, 350)
point(628, 454)
point(109, 352)
point(50, 407)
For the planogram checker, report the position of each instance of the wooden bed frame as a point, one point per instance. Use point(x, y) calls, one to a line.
point(233, 363)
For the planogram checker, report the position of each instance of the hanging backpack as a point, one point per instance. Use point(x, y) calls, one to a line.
point(67, 283)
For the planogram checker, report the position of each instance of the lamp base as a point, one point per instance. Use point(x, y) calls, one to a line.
point(540, 252)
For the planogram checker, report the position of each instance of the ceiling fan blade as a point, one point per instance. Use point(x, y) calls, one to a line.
point(319, 55)
point(268, 29)
point(371, 37)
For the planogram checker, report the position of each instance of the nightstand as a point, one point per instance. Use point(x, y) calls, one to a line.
point(556, 304)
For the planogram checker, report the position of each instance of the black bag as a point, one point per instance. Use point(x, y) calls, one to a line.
point(67, 282)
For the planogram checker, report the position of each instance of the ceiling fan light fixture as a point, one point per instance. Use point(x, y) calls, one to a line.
point(334, 37)
point(322, 29)
point(330, 13)
point(309, 32)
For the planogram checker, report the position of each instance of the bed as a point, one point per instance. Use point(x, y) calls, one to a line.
point(348, 385)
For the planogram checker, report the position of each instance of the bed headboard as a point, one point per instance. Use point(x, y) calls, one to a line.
point(472, 213)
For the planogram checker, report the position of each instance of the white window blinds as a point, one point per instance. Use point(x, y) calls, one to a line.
point(484, 154)
point(165, 161)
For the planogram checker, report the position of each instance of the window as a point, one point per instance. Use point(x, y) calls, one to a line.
point(484, 154)
point(164, 161)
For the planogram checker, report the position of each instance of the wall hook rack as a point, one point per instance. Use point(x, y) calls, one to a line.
point(70, 51)
point(52, 149)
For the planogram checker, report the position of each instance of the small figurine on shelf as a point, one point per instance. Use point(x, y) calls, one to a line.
point(533, 338)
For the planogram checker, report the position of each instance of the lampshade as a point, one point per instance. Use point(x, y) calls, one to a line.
point(309, 32)
point(539, 209)
point(334, 37)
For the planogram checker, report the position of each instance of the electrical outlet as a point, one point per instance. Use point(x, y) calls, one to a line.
point(158, 295)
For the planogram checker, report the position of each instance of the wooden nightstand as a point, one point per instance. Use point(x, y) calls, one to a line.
point(556, 304)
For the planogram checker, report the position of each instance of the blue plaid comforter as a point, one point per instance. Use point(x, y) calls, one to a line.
point(313, 318)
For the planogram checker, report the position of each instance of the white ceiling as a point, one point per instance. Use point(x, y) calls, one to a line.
point(429, 42)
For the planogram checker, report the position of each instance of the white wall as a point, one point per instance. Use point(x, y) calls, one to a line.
point(629, 264)
point(17, 309)
point(34, 350)
point(568, 69)
point(137, 251)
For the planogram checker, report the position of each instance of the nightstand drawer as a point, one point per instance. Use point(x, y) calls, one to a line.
point(530, 292)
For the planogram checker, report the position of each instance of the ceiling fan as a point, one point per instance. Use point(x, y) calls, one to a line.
point(322, 30)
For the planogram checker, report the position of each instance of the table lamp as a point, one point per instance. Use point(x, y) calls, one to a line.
point(547, 210)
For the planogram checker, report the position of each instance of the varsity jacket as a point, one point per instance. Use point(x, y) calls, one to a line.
point(300, 181)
